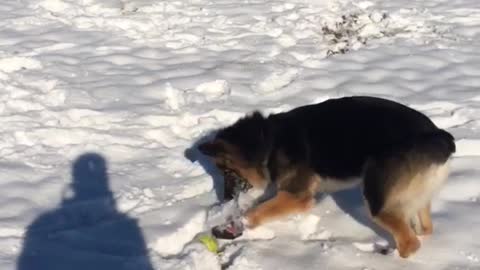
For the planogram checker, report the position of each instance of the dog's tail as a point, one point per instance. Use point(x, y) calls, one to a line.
point(437, 145)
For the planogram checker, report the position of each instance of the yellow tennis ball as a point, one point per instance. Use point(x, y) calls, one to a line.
point(209, 242)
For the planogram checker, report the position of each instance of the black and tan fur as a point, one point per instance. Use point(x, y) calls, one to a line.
point(398, 155)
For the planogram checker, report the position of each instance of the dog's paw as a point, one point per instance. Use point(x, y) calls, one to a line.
point(251, 220)
point(408, 247)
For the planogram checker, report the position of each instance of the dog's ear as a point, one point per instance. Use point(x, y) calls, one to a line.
point(212, 149)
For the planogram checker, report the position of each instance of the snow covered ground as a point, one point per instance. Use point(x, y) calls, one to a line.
point(100, 99)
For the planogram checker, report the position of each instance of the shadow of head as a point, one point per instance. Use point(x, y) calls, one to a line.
point(194, 155)
point(90, 177)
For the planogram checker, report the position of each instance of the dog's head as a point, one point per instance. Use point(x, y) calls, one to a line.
point(239, 152)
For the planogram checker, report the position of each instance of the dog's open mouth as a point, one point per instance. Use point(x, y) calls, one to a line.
point(234, 184)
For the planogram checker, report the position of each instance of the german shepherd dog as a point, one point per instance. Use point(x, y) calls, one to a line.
point(397, 154)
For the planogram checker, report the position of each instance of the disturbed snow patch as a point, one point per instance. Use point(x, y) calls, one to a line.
point(357, 28)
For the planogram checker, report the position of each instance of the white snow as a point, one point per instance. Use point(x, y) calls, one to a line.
point(172, 244)
point(100, 99)
point(11, 64)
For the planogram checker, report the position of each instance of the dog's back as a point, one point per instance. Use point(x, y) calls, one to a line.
point(338, 136)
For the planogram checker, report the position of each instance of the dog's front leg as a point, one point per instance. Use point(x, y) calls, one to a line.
point(283, 204)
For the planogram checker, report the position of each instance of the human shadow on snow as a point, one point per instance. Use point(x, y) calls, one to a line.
point(86, 231)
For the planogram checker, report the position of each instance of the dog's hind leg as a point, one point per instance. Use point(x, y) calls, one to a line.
point(398, 190)
point(283, 204)
point(392, 217)
point(421, 222)
point(390, 189)
point(425, 219)
point(396, 223)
